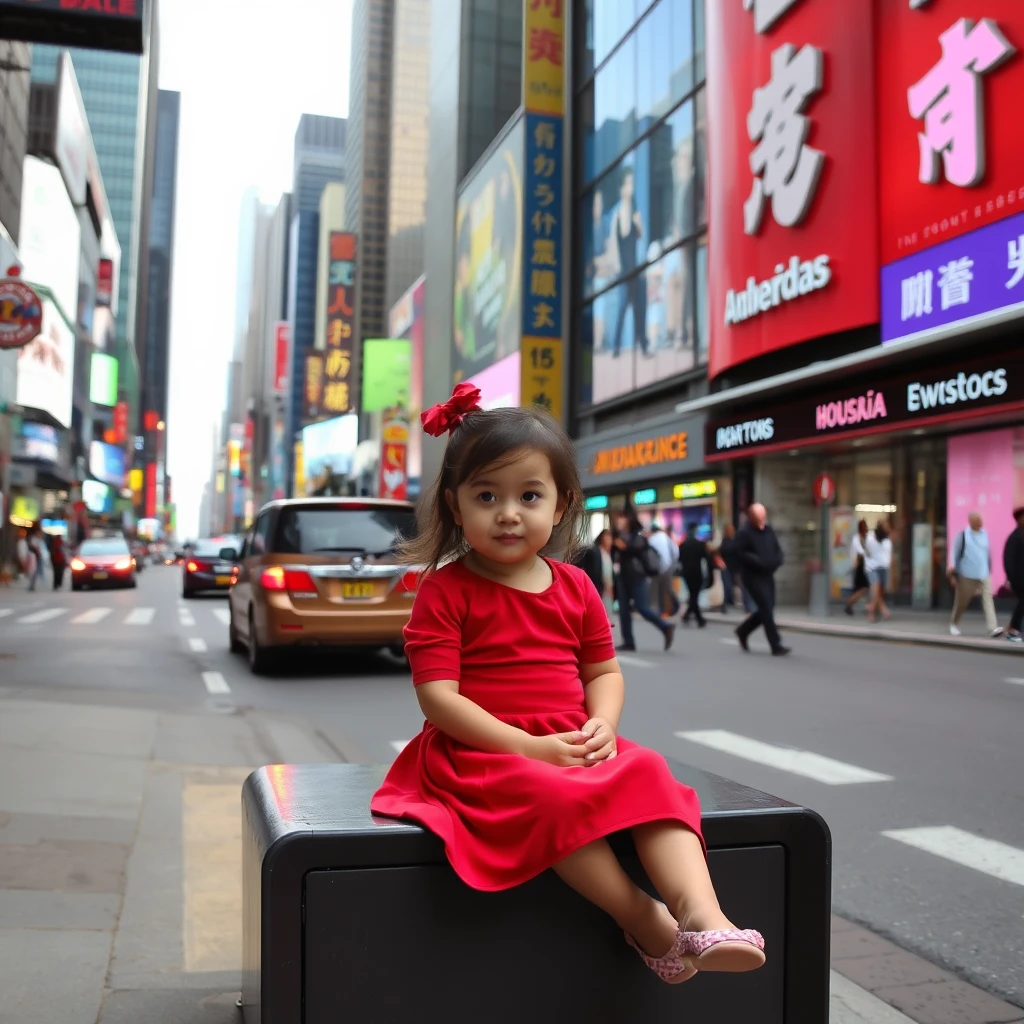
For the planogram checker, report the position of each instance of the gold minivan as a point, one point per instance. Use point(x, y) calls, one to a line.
point(322, 572)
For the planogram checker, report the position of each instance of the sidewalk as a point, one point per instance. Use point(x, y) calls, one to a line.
point(120, 880)
point(906, 626)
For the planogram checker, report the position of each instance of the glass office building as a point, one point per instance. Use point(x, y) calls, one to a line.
point(640, 310)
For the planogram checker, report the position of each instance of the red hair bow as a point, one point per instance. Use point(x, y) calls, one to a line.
point(444, 418)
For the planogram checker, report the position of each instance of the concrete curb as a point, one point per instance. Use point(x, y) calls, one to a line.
point(998, 646)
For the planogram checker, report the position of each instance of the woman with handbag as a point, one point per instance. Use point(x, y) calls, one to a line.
point(858, 556)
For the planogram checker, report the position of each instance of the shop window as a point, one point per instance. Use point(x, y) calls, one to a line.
point(605, 257)
point(681, 74)
point(654, 70)
point(614, 106)
point(607, 22)
point(699, 68)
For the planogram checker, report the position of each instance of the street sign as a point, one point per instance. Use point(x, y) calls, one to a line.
point(824, 490)
point(21, 313)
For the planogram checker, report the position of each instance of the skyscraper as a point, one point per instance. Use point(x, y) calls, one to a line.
point(119, 92)
point(319, 158)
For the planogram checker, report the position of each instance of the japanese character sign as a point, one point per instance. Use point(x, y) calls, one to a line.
point(949, 100)
point(544, 57)
point(542, 271)
point(341, 299)
point(786, 169)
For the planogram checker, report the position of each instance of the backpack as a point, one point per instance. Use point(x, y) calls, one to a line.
point(650, 560)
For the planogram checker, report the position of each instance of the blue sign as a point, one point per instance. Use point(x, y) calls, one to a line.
point(596, 502)
point(107, 463)
point(969, 278)
point(542, 234)
point(648, 496)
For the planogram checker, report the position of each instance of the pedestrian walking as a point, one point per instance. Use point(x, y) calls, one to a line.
point(36, 546)
point(695, 563)
point(729, 555)
point(760, 558)
point(663, 585)
point(637, 563)
point(58, 559)
point(515, 673)
point(877, 562)
point(971, 574)
point(598, 563)
point(1013, 565)
point(858, 557)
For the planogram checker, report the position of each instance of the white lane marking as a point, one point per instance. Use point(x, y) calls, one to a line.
point(198, 644)
point(628, 659)
point(1015, 681)
point(91, 617)
point(140, 617)
point(224, 614)
point(798, 762)
point(4, 612)
point(186, 617)
point(987, 855)
point(399, 745)
point(215, 683)
point(44, 616)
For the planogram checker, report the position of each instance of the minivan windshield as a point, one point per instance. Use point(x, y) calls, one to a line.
point(368, 530)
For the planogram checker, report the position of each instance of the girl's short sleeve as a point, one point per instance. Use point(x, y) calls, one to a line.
point(596, 644)
point(433, 636)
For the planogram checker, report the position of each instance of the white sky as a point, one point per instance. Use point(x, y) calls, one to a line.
point(246, 70)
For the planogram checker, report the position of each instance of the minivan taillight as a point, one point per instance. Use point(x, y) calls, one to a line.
point(295, 581)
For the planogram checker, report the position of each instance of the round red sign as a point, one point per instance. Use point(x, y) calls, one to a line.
point(824, 489)
point(21, 314)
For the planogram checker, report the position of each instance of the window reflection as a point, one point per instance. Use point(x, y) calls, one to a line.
point(682, 78)
point(615, 105)
point(654, 70)
point(698, 40)
point(701, 161)
point(611, 19)
point(702, 300)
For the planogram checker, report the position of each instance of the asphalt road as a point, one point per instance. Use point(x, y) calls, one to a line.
point(904, 747)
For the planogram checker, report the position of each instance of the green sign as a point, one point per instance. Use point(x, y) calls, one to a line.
point(387, 370)
point(103, 380)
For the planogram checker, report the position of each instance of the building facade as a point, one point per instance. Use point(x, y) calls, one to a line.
point(15, 64)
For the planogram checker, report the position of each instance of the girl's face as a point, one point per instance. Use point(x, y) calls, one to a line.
point(508, 514)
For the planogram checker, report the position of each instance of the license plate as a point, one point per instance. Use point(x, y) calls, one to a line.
point(99, 575)
point(357, 591)
point(223, 581)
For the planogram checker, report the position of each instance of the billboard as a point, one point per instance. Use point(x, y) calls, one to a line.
point(98, 498)
point(37, 441)
point(488, 258)
point(71, 133)
point(96, 24)
point(107, 463)
point(406, 321)
point(951, 196)
point(105, 283)
point(327, 450)
point(338, 384)
point(46, 368)
point(49, 243)
point(499, 384)
point(793, 193)
point(394, 456)
point(387, 372)
point(282, 356)
point(103, 380)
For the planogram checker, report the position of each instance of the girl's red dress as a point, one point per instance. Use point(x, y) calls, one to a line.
point(505, 818)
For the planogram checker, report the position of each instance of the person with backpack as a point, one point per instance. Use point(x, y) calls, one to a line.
point(638, 563)
point(970, 574)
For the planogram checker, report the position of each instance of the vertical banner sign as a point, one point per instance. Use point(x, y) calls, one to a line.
point(313, 392)
point(338, 397)
point(792, 190)
point(394, 455)
point(542, 380)
point(121, 423)
point(950, 78)
point(105, 283)
point(282, 356)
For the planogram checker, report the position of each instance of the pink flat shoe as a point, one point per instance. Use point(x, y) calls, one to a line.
point(728, 949)
point(671, 967)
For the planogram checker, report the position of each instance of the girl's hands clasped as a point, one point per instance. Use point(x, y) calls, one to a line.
point(591, 745)
point(599, 741)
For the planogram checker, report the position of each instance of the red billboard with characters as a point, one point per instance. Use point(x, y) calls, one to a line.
point(394, 453)
point(792, 174)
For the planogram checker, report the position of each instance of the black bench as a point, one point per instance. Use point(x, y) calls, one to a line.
point(352, 918)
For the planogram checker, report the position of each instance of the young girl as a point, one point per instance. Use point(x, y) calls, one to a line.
point(518, 767)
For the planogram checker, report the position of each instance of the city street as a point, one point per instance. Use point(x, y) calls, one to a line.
point(131, 728)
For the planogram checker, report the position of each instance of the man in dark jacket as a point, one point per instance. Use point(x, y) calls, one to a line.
point(633, 585)
point(695, 564)
point(1013, 563)
point(760, 558)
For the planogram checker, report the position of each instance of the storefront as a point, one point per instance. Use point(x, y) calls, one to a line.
point(659, 471)
point(919, 450)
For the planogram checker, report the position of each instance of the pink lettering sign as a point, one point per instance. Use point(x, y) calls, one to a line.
point(851, 411)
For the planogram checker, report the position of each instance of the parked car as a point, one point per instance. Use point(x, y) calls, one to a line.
point(209, 566)
point(103, 562)
point(322, 572)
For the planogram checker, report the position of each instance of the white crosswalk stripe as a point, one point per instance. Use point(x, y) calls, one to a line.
point(197, 644)
point(797, 762)
point(223, 614)
point(42, 616)
point(989, 856)
point(215, 683)
point(140, 617)
point(91, 617)
point(186, 617)
point(4, 612)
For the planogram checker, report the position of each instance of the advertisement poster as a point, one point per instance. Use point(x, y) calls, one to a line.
point(394, 451)
point(327, 449)
point(107, 463)
point(387, 371)
point(841, 526)
point(46, 368)
point(921, 566)
point(406, 321)
point(499, 384)
point(488, 257)
point(282, 356)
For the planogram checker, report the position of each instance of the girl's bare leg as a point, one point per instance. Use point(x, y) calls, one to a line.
point(596, 874)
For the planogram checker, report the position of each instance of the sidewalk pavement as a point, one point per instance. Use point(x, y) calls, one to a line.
point(120, 878)
point(906, 626)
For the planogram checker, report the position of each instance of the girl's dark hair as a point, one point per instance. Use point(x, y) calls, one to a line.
point(494, 438)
